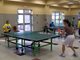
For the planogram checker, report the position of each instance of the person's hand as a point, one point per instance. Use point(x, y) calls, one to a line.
point(8, 27)
point(62, 32)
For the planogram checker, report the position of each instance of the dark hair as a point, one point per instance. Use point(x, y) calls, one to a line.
point(73, 17)
point(7, 21)
point(14, 28)
point(67, 21)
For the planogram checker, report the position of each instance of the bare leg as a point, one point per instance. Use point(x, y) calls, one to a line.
point(73, 49)
point(74, 54)
point(63, 49)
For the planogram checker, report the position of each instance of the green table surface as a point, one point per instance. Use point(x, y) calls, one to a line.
point(32, 36)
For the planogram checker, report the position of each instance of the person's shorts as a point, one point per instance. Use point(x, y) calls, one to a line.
point(69, 40)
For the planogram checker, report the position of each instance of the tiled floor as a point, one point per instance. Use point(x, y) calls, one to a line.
point(45, 54)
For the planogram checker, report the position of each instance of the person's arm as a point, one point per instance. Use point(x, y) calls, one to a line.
point(63, 31)
point(4, 28)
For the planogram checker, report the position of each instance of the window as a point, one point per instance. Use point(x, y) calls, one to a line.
point(57, 18)
point(20, 28)
point(24, 20)
point(27, 18)
point(20, 18)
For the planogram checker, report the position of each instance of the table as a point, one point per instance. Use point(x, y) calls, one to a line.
point(35, 37)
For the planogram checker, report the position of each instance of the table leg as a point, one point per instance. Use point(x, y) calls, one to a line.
point(39, 47)
point(16, 44)
point(8, 41)
point(33, 48)
point(51, 44)
point(24, 47)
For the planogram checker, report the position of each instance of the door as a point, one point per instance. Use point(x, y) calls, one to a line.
point(25, 20)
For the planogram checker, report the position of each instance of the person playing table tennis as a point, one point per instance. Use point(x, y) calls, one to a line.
point(69, 37)
point(7, 27)
point(15, 29)
point(52, 27)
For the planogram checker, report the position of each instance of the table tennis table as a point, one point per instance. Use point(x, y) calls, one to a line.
point(35, 37)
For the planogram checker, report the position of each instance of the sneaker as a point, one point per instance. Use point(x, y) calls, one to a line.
point(75, 55)
point(62, 55)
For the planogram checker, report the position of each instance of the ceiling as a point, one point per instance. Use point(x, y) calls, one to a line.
point(56, 3)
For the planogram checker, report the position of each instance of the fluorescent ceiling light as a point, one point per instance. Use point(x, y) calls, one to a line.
point(66, 6)
point(31, 1)
point(70, 3)
point(38, 2)
point(55, 5)
point(15, 0)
